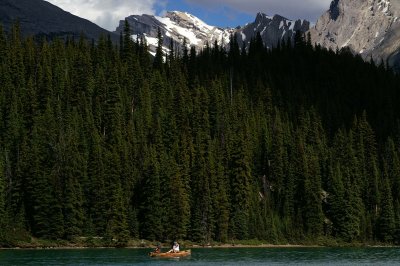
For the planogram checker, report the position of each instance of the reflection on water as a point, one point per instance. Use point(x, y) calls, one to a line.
point(208, 256)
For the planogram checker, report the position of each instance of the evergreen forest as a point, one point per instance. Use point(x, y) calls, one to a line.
point(293, 144)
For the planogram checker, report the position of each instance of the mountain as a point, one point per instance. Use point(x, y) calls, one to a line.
point(179, 25)
point(176, 26)
point(369, 28)
point(38, 17)
point(272, 29)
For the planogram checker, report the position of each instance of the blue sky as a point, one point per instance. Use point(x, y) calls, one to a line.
point(222, 13)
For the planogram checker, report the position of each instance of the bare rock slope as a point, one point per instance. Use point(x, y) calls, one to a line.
point(370, 28)
point(38, 17)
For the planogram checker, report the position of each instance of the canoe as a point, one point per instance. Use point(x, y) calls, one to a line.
point(179, 254)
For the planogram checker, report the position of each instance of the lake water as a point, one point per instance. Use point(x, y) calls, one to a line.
point(206, 256)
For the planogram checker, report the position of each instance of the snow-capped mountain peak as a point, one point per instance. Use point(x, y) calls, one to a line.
point(178, 26)
point(185, 18)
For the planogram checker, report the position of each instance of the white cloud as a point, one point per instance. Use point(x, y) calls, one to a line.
point(293, 9)
point(107, 13)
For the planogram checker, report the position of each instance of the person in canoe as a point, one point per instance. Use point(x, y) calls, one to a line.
point(158, 248)
point(175, 248)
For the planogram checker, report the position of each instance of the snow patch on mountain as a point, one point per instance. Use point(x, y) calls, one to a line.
point(172, 27)
point(179, 26)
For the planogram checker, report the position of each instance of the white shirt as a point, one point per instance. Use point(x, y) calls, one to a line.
point(176, 248)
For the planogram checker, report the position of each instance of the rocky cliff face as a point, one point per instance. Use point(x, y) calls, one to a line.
point(38, 17)
point(272, 29)
point(370, 28)
point(180, 25)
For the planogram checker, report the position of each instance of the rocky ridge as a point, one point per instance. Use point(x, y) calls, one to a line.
point(272, 29)
point(370, 28)
point(178, 26)
point(175, 26)
point(40, 18)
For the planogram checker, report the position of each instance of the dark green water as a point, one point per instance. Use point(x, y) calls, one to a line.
point(239, 256)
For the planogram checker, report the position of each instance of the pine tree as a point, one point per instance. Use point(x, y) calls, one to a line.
point(396, 233)
point(150, 212)
point(159, 57)
point(96, 195)
point(366, 150)
point(221, 200)
point(117, 220)
point(185, 52)
point(201, 186)
point(3, 221)
point(277, 160)
point(74, 174)
point(342, 199)
point(386, 221)
point(127, 46)
point(201, 197)
point(179, 205)
point(393, 171)
point(42, 196)
point(345, 188)
point(393, 163)
point(312, 209)
point(15, 155)
point(73, 213)
point(240, 190)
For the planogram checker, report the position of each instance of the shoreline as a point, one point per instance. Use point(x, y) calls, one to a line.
point(196, 246)
point(262, 246)
point(33, 243)
point(224, 246)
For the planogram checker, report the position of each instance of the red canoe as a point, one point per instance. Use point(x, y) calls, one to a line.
point(179, 254)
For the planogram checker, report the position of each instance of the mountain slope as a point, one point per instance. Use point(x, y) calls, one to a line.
point(179, 25)
point(176, 26)
point(272, 29)
point(370, 28)
point(38, 17)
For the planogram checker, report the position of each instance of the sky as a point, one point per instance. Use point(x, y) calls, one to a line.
point(222, 13)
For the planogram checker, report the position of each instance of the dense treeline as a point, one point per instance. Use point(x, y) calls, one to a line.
point(288, 144)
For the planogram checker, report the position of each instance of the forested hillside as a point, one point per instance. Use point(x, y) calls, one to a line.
point(285, 145)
